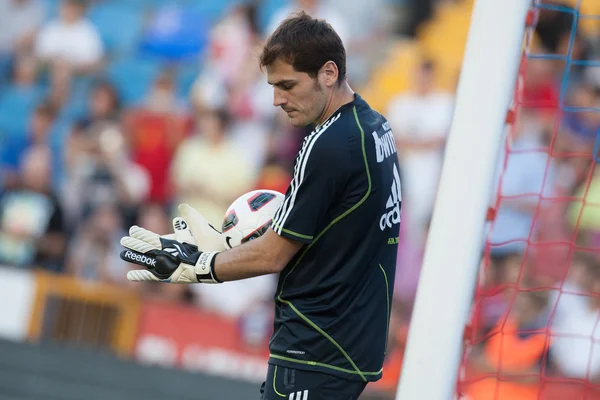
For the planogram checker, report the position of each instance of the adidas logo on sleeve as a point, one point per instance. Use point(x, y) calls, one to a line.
point(392, 214)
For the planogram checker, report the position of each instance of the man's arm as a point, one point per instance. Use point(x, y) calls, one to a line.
point(267, 254)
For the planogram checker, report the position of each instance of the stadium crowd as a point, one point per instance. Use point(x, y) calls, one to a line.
point(112, 112)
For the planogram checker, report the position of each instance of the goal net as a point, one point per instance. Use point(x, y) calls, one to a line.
point(534, 329)
point(531, 293)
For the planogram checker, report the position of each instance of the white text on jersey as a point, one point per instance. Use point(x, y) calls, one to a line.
point(385, 145)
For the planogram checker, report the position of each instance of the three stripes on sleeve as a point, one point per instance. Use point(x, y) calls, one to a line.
point(299, 395)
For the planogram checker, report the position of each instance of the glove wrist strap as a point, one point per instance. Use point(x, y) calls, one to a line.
point(205, 268)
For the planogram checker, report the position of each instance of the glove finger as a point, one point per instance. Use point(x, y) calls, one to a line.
point(206, 237)
point(141, 275)
point(146, 236)
point(137, 245)
point(183, 233)
point(145, 260)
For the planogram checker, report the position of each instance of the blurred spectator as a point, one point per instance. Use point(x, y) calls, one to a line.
point(100, 170)
point(162, 98)
point(514, 352)
point(19, 96)
point(574, 322)
point(104, 105)
point(232, 79)
point(584, 213)
point(24, 73)
point(32, 230)
point(229, 53)
point(557, 35)
point(251, 108)
point(20, 20)
point(16, 146)
point(103, 112)
point(420, 120)
point(153, 139)
point(579, 127)
point(541, 91)
point(500, 281)
point(209, 171)
point(60, 90)
point(527, 174)
point(94, 252)
point(71, 39)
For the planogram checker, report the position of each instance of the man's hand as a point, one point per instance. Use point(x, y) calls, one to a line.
point(174, 258)
point(166, 260)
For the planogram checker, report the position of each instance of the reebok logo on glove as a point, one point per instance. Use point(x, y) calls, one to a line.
point(151, 262)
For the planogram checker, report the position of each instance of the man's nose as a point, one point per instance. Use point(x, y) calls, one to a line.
point(278, 98)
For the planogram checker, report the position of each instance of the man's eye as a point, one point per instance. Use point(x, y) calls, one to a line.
point(287, 87)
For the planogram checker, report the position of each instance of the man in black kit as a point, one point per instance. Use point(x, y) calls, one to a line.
point(333, 240)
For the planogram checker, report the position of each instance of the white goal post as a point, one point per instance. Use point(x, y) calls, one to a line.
point(450, 267)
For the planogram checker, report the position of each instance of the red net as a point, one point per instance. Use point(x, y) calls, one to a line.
point(536, 322)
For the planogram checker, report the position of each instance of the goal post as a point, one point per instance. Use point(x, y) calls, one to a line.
point(456, 237)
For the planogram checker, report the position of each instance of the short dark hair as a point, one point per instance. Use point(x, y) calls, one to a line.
point(307, 44)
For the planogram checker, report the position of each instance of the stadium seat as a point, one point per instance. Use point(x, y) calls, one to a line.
point(132, 77)
point(120, 26)
point(175, 33)
point(15, 107)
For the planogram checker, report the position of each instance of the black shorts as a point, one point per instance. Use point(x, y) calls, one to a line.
point(294, 384)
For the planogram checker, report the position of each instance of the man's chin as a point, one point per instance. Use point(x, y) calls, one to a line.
point(298, 122)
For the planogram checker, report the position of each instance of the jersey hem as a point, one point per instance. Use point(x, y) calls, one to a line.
point(322, 368)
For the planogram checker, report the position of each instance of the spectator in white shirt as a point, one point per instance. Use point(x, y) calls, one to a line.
point(575, 328)
point(528, 174)
point(71, 39)
point(420, 120)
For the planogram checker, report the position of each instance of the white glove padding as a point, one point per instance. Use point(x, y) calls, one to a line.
point(205, 236)
point(175, 260)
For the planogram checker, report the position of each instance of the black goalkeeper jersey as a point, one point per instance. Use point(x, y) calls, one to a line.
point(333, 299)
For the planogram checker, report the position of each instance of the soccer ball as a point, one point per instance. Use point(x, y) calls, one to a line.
point(249, 216)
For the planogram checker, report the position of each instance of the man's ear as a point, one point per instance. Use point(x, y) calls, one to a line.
point(329, 72)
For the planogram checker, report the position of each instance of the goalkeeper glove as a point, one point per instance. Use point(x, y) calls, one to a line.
point(174, 258)
point(203, 234)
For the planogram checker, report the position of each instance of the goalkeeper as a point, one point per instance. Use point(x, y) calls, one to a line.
point(333, 240)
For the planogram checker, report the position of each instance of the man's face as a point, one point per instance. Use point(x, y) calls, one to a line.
point(300, 96)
